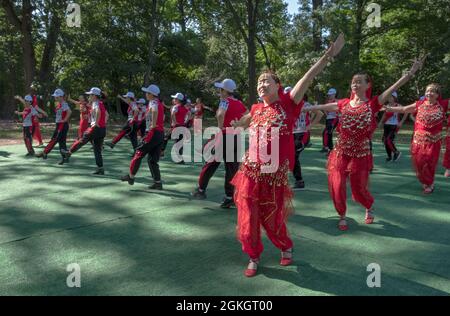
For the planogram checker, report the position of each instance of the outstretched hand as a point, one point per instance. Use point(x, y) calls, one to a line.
point(418, 64)
point(336, 46)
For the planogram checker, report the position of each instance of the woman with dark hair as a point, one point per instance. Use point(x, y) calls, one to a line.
point(262, 193)
point(427, 140)
point(352, 158)
point(85, 110)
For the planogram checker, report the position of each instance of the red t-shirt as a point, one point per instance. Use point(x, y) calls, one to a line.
point(155, 105)
point(100, 108)
point(356, 127)
point(61, 112)
point(180, 114)
point(234, 108)
point(85, 110)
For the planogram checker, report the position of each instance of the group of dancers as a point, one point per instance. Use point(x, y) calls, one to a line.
point(264, 199)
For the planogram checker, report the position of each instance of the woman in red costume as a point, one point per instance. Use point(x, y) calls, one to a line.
point(262, 195)
point(427, 140)
point(352, 158)
point(446, 162)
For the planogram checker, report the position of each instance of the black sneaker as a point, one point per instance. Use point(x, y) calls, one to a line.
point(63, 161)
point(156, 186)
point(42, 155)
point(388, 159)
point(66, 154)
point(299, 186)
point(30, 155)
point(128, 179)
point(110, 144)
point(99, 171)
point(324, 150)
point(397, 156)
point(227, 203)
point(201, 195)
point(181, 162)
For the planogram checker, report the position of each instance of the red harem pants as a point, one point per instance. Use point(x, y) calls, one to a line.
point(425, 158)
point(446, 162)
point(261, 204)
point(341, 167)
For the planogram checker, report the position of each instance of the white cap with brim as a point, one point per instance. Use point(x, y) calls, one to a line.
point(58, 93)
point(178, 96)
point(129, 95)
point(332, 91)
point(95, 91)
point(28, 98)
point(152, 89)
point(227, 85)
point(141, 101)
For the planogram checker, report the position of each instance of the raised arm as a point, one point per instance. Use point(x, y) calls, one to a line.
point(303, 84)
point(123, 99)
point(20, 99)
point(409, 109)
point(404, 79)
point(329, 107)
point(244, 122)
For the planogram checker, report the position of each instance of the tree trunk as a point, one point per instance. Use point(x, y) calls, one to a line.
point(317, 25)
point(252, 7)
point(181, 5)
point(153, 37)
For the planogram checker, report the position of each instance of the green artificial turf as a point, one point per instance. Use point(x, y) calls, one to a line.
point(129, 240)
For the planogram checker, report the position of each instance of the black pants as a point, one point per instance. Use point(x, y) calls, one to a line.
point(28, 138)
point(129, 129)
point(151, 146)
point(327, 133)
point(60, 137)
point(300, 141)
point(388, 139)
point(167, 137)
point(96, 135)
point(231, 167)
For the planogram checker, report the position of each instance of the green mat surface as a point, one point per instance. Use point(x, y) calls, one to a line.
point(129, 240)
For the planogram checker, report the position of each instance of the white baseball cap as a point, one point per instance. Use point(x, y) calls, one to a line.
point(287, 90)
point(129, 95)
point(152, 89)
point(28, 98)
point(394, 94)
point(141, 101)
point(178, 96)
point(227, 85)
point(95, 91)
point(58, 93)
point(332, 91)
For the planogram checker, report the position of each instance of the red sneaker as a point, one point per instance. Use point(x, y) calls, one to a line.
point(370, 218)
point(343, 225)
point(286, 258)
point(252, 268)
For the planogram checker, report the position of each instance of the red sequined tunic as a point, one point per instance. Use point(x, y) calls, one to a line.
point(426, 143)
point(252, 185)
point(356, 127)
point(430, 120)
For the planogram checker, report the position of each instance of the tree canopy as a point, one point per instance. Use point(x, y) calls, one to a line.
point(187, 45)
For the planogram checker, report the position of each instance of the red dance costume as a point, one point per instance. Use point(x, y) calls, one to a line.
point(36, 126)
point(427, 139)
point(446, 161)
point(352, 157)
point(265, 199)
point(85, 111)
